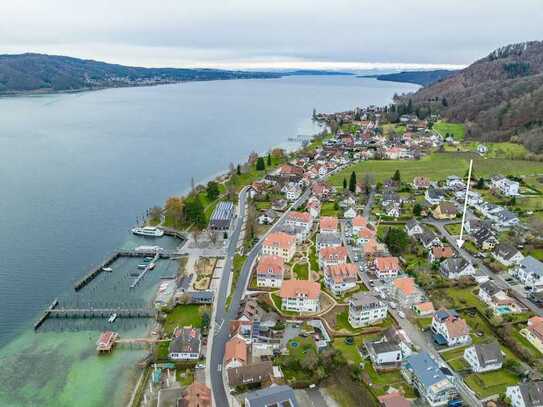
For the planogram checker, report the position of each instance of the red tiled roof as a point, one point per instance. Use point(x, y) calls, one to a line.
point(235, 348)
point(333, 253)
point(292, 288)
point(328, 223)
point(359, 221)
point(279, 239)
point(300, 216)
point(387, 263)
point(406, 285)
point(442, 252)
point(270, 265)
point(341, 272)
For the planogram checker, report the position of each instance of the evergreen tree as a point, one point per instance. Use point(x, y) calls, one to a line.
point(397, 176)
point(480, 183)
point(397, 241)
point(344, 183)
point(417, 209)
point(352, 182)
point(212, 191)
point(260, 164)
point(269, 160)
point(238, 170)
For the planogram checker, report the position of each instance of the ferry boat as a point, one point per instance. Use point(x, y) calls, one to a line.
point(150, 231)
point(112, 318)
point(107, 269)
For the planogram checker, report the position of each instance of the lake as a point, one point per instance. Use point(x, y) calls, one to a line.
point(78, 170)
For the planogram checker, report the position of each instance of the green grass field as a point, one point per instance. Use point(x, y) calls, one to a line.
point(457, 130)
point(184, 315)
point(438, 166)
point(490, 383)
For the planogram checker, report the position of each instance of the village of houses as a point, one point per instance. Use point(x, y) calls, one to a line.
point(369, 275)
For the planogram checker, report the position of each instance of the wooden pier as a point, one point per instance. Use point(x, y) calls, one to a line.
point(46, 314)
point(173, 232)
point(147, 268)
point(101, 312)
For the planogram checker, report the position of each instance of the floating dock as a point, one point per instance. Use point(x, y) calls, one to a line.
point(149, 267)
point(91, 275)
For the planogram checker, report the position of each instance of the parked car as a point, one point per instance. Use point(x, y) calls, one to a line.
point(393, 305)
point(401, 314)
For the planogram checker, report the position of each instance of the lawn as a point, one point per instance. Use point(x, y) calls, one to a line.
point(454, 228)
point(490, 383)
point(301, 271)
point(439, 166)
point(424, 322)
point(328, 209)
point(457, 130)
point(350, 351)
point(184, 315)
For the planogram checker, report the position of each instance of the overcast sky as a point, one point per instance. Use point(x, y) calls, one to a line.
point(269, 33)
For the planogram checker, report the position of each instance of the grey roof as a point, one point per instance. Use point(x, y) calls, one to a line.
point(444, 314)
point(505, 251)
point(425, 368)
point(254, 373)
point(453, 265)
point(382, 347)
point(434, 193)
point(482, 235)
point(185, 340)
point(222, 215)
point(490, 287)
point(488, 354)
point(365, 300)
point(276, 396)
point(427, 237)
point(532, 393)
point(506, 216)
point(328, 238)
point(411, 223)
point(532, 265)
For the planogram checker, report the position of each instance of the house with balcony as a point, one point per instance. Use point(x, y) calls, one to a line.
point(484, 357)
point(270, 271)
point(300, 296)
point(366, 309)
point(279, 244)
point(530, 273)
point(386, 268)
point(529, 394)
point(340, 277)
point(331, 256)
point(430, 379)
point(186, 344)
point(406, 292)
point(449, 328)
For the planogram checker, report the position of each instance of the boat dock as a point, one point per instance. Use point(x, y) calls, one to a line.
point(144, 272)
point(109, 339)
point(91, 275)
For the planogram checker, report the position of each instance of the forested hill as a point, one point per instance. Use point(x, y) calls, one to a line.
point(48, 73)
point(499, 97)
point(423, 78)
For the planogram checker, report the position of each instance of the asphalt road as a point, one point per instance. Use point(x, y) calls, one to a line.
point(223, 316)
point(415, 334)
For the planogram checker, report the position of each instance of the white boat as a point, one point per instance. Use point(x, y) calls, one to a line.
point(112, 318)
point(142, 266)
point(150, 231)
point(107, 269)
point(152, 266)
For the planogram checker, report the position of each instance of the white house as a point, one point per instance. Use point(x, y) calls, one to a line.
point(505, 186)
point(386, 268)
point(279, 244)
point(340, 277)
point(434, 196)
point(530, 273)
point(270, 271)
point(424, 373)
point(384, 355)
point(300, 296)
point(529, 394)
point(292, 191)
point(507, 254)
point(365, 309)
point(449, 328)
point(413, 228)
point(329, 256)
point(456, 267)
point(484, 357)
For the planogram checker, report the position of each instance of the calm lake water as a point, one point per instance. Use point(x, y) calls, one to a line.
point(77, 170)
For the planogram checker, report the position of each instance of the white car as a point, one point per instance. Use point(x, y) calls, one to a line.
point(401, 314)
point(393, 305)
